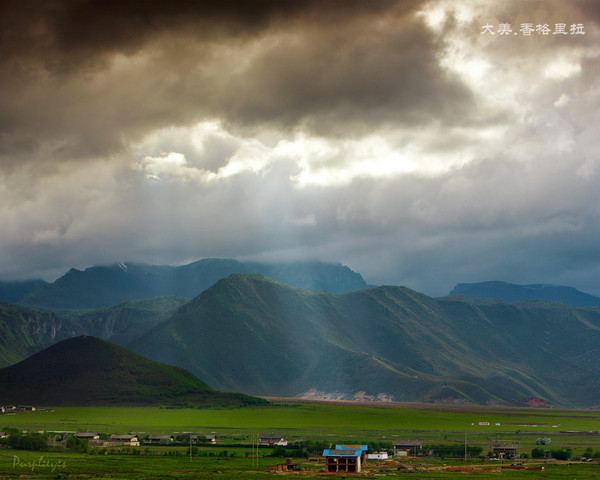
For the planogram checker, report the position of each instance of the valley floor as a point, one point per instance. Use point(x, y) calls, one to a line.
point(310, 426)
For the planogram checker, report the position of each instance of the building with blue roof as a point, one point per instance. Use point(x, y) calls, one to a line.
point(345, 458)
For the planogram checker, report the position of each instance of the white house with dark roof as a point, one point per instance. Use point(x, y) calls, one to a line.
point(162, 439)
point(272, 439)
point(124, 440)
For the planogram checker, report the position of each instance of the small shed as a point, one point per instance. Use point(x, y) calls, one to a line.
point(377, 456)
point(405, 448)
point(348, 461)
point(506, 450)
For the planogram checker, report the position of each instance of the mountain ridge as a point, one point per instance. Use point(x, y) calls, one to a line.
point(104, 286)
point(269, 338)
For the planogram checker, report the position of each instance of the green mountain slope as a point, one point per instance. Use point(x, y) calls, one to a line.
point(24, 331)
point(90, 371)
point(101, 287)
point(252, 334)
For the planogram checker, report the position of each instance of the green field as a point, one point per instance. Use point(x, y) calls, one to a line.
point(300, 422)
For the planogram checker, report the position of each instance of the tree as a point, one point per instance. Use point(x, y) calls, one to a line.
point(77, 444)
point(279, 452)
point(537, 453)
point(35, 441)
point(561, 454)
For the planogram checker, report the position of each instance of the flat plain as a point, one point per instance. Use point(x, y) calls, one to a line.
point(327, 423)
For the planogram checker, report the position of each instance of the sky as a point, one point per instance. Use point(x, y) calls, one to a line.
point(419, 143)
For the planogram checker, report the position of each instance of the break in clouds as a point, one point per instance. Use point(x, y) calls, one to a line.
point(402, 139)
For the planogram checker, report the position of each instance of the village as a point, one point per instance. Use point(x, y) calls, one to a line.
point(337, 458)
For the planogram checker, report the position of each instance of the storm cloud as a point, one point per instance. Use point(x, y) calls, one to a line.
point(399, 138)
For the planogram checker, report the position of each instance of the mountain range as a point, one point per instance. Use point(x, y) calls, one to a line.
point(247, 332)
point(105, 286)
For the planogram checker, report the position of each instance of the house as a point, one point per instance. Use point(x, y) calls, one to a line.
point(162, 439)
point(377, 456)
point(212, 439)
point(272, 439)
point(123, 440)
point(348, 461)
point(405, 448)
point(3, 435)
point(26, 408)
point(363, 449)
point(505, 451)
point(87, 435)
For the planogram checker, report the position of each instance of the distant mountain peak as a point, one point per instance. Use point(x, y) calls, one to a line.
point(510, 292)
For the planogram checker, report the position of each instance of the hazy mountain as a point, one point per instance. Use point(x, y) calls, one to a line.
point(127, 321)
point(100, 287)
point(510, 292)
point(90, 371)
point(24, 331)
point(252, 334)
point(13, 292)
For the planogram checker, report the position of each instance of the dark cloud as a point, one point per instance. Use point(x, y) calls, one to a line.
point(87, 27)
point(67, 94)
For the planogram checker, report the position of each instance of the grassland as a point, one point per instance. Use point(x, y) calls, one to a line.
point(299, 422)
